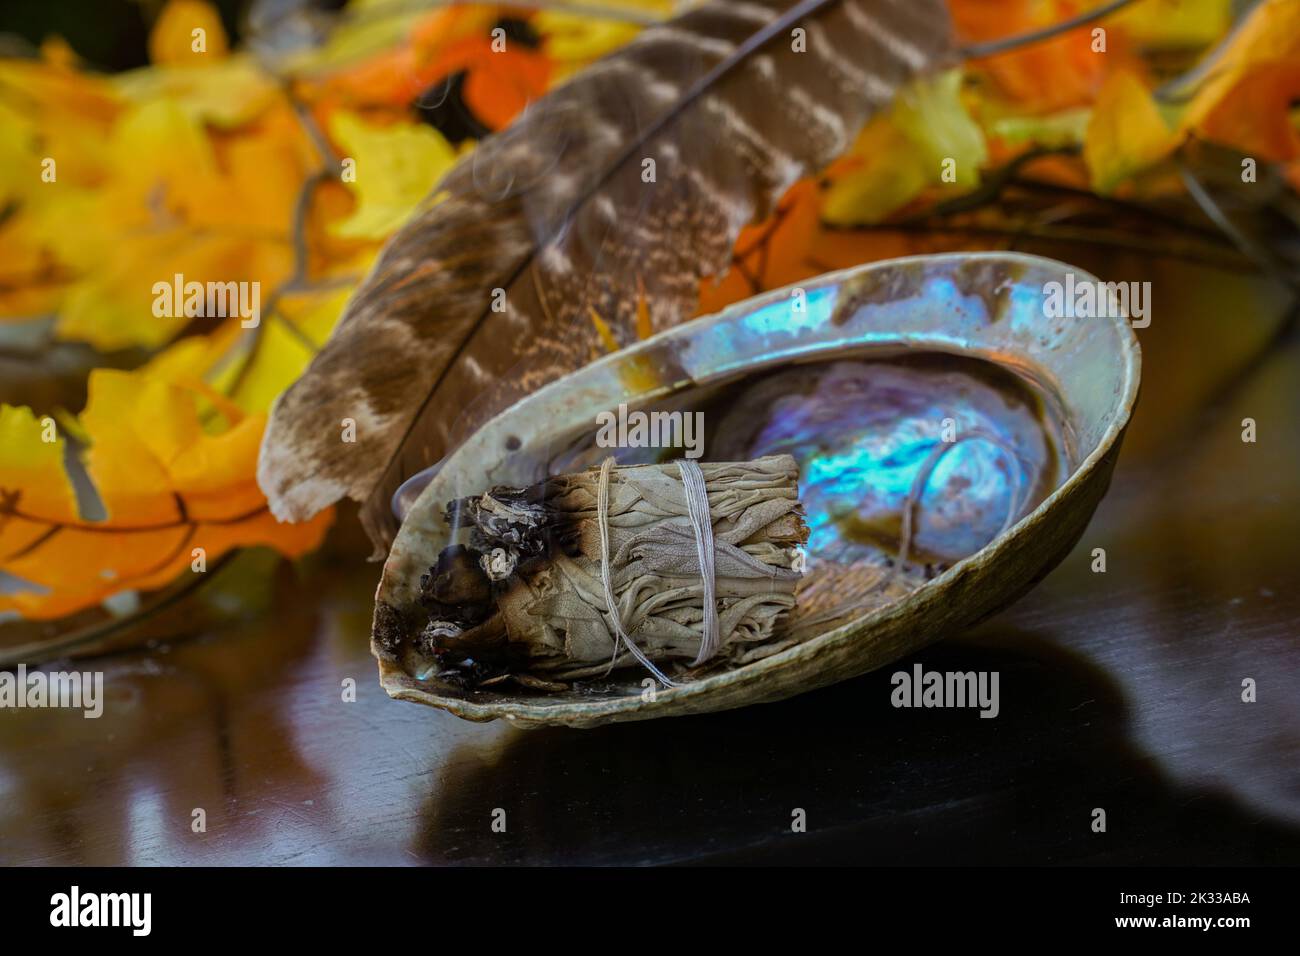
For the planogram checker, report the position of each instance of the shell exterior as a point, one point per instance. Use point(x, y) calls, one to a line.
point(988, 306)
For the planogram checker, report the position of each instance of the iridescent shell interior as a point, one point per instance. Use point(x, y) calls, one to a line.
point(936, 386)
point(966, 445)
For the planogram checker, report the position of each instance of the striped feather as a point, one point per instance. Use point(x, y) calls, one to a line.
point(555, 211)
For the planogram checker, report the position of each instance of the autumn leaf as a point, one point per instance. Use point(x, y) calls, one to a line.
point(179, 206)
point(927, 139)
point(933, 116)
point(223, 94)
point(183, 26)
point(395, 168)
point(1166, 24)
point(1126, 134)
point(165, 189)
point(1044, 77)
point(167, 486)
point(772, 253)
point(47, 114)
point(302, 323)
point(1246, 100)
point(573, 40)
point(1056, 131)
point(497, 81)
point(375, 60)
point(498, 86)
point(50, 112)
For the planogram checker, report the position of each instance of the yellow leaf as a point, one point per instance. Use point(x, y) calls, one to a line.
point(160, 153)
point(1126, 134)
point(885, 175)
point(1163, 24)
point(57, 52)
point(113, 306)
point(32, 466)
point(200, 359)
point(645, 326)
point(927, 139)
point(930, 112)
point(187, 33)
point(31, 284)
point(168, 485)
point(224, 93)
point(283, 354)
point(48, 112)
point(176, 204)
point(252, 367)
point(573, 40)
point(40, 90)
point(1057, 130)
point(396, 167)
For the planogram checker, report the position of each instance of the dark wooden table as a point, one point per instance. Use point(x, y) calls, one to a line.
point(1119, 690)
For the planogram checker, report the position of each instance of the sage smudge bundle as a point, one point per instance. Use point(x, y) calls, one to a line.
point(675, 567)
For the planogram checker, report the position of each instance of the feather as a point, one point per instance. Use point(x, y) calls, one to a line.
point(637, 174)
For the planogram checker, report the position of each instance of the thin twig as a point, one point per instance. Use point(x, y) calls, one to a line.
point(297, 280)
point(995, 181)
point(1246, 244)
point(975, 51)
point(1180, 88)
point(1118, 205)
point(45, 650)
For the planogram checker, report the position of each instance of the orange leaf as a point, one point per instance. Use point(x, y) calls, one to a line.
point(500, 85)
point(771, 253)
point(1046, 76)
point(1245, 102)
point(168, 486)
point(441, 43)
point(187, 33)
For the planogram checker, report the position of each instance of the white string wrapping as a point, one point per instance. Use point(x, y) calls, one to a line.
point(602, 520)
point(697, 504)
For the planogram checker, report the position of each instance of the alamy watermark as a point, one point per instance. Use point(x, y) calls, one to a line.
point(922, 688)
point(1091, 299)
point(638, 429)
point(181, 299)
point(75, 908)
point(75, 690)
